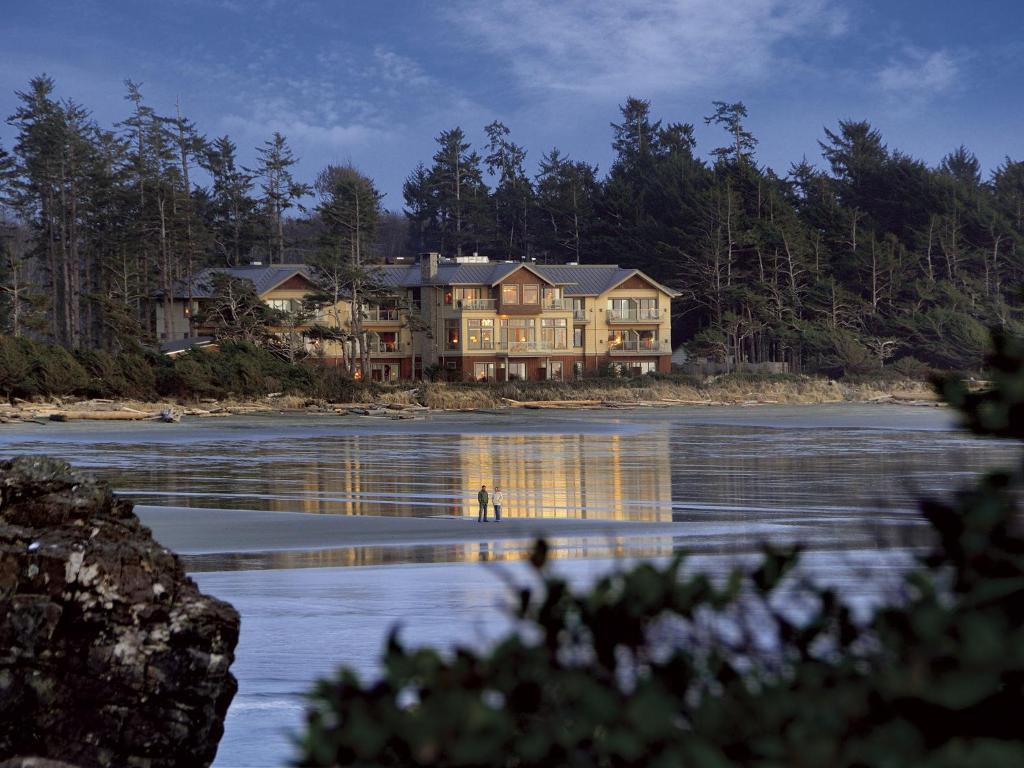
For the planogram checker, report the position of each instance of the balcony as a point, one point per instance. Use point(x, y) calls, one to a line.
point(385, 350)
point(579, 315)
point(639, 347)
point(475, 305)
point(633, 316)
point(555, 305)
point(528, 348)
point(381, 315)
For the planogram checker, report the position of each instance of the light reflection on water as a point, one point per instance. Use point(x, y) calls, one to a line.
point(826, 482)
point(477, 552)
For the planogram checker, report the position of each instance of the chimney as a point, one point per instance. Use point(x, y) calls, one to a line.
point(428, 266)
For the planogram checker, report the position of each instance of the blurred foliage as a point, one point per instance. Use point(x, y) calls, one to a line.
point(657, 666)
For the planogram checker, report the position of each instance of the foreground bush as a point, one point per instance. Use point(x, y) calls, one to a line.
point(652, 667)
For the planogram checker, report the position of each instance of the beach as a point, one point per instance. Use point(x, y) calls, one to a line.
point(327, 531)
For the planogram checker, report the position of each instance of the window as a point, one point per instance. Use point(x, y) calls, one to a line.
point(472, 298)
point(553, 332)
point(510, 294)
point(632, 309)
point(516, 371)
point(383, 372)
point(643, 367)
point(517, 332)
point(483, 371)
point(284, 305)
point(579, 309)
point(452, 333)
point(480, 333)
point(531, 294)
point(555, 370)
point(577, 370)
point(632, 341)
point(648, 309)
point(385, 341)
point(577, 338)
point(552, 298)
point(621, 309)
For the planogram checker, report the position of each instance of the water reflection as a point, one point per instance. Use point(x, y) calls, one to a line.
point(654, 470)
point(543, 475)
point(475, 552)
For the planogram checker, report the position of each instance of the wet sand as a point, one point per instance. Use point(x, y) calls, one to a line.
point(197, 531)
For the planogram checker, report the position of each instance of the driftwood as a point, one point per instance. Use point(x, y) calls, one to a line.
point(100, 416)
point(169, 416)
point(552, 403)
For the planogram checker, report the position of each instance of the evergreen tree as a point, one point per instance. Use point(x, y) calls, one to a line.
point(231, 203)
point(512, 201)
point(281, 192)
point(350, 211)
point(459, 193)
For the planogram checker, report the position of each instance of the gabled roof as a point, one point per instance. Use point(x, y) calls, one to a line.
point(594, 279)
point(265, 278)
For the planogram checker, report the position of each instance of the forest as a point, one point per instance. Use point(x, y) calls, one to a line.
point(863, 259)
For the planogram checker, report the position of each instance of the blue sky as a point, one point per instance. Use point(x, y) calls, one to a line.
point(374, 82)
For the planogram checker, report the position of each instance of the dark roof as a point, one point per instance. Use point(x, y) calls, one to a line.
point(588, 280)
point(577, 280)
point(264, 278)
point(451, 273)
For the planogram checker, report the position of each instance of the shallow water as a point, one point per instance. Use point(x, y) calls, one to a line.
point(842, 479)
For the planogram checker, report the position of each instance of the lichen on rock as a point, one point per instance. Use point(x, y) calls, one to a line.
point(109, 654)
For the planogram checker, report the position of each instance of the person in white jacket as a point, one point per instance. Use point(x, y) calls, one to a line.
point(496, 501)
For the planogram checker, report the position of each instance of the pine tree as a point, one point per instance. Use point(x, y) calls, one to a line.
point(281, 192)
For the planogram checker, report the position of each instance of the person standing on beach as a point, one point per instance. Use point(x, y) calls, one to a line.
point(496, 501)
point(483, 498)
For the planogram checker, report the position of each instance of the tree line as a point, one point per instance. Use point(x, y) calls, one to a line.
point(867, 258)
point(871, 257)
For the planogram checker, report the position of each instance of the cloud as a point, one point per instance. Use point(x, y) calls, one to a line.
point(919, 75)
point(643, 46)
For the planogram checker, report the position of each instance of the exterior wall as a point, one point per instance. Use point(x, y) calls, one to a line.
point(181, 327)
point(662, 325)
point(463, 367)
point(522, 277)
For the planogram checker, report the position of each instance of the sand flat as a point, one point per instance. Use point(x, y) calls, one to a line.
point(194, 531)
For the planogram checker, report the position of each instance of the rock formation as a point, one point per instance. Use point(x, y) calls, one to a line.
point(109, 654)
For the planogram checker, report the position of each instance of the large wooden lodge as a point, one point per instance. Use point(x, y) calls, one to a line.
point(474, 319)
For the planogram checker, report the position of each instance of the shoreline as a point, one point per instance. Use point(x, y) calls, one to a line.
point(411, 402)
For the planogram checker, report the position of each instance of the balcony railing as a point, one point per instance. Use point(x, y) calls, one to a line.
point(528, 347)
point(632, 346)
point(555, 304)
point(476, 305)
point(579, 315)
point(632, 315)
point(381, 314)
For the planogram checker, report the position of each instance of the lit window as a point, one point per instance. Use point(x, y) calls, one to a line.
point(510, 294)
point(452, 332)
point(531, 294)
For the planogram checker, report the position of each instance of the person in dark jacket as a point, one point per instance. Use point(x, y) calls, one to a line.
point(483, 498)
